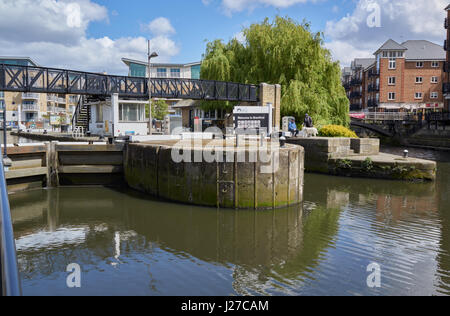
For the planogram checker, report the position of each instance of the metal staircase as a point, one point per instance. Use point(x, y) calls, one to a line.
point(81, 117)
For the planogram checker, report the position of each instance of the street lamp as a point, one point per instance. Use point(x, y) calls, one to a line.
point(150, 56)
point(6, 161)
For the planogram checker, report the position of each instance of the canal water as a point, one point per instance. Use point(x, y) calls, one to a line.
point(129, 244)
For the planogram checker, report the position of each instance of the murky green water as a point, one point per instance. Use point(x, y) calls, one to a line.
point(128, 244)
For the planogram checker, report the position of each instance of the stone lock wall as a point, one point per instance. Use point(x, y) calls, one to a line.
point(240, 185)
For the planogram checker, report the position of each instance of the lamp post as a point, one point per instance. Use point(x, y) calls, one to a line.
point(150, 56)
point(6, 161)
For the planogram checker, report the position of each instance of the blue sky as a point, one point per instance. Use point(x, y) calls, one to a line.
point(94, 35)
point(195, 22)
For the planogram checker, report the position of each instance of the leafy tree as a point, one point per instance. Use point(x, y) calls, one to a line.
point(160, 109)
point(288, 53)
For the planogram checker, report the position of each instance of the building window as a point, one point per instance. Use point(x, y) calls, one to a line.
point(161, 73)
point(434, 80)
point(419, 64)
point(434, 95)
point(392, 81)
point(419, 79)
point(418, 95)
point(175, 73)
point(137, 70)
point(392, 63)
point(391, 96)
point(99, 113)
point(131, 113)
point(435, 64)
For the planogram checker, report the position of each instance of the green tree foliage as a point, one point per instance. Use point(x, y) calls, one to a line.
point(282, 52)
point(159, 110)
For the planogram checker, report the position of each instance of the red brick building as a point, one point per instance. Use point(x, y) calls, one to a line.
point(402, 77)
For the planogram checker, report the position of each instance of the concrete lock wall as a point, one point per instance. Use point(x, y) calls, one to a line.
point(151, 169)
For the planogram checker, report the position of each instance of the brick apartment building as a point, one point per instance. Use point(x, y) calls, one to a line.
point(401, 78)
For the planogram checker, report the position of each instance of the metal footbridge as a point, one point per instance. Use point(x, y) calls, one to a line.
point(62, 81)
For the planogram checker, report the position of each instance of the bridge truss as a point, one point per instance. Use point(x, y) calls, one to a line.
point(61, 81)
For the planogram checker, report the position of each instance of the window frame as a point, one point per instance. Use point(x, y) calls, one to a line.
point(416, 97)
point(419, 81)
point(435, 82)
point(418, 63)
point(434, 95)
point(392, 94)
point(394, 83)
point(435, 64)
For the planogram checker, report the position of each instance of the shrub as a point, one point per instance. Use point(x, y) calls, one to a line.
point(336, 131)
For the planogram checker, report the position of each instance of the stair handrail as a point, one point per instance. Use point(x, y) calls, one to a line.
point(10, 282)
point(77, 112)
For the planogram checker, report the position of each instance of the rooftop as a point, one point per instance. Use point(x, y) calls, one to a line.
point(423, 50)
point(128, 61)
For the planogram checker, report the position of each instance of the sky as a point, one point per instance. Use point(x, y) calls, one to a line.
point(93, 35)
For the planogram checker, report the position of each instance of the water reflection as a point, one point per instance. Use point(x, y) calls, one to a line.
point(129, 244)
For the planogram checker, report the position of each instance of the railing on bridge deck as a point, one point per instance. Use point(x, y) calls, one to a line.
point(438, 116)
point(10, 283)
point(61, 81)
point(390, 116)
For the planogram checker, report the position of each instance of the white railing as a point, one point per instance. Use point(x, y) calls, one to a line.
point(30, 96)
point(374, 116)
point(31, 107)
point(78, 132)
point(52, 98)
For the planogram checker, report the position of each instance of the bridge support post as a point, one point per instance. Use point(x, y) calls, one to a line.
point(115, 114)
point(271, 94)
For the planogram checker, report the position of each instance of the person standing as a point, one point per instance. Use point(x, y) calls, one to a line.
point(308, 121)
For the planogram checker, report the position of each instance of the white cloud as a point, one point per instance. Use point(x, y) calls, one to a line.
point(231, 6)
point(401, 20)
point(53, 33)
point(161, 26)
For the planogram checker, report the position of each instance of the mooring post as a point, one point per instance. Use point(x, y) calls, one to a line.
point(52, 165)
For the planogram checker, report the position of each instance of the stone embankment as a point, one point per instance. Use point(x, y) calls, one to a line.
point(361, 158)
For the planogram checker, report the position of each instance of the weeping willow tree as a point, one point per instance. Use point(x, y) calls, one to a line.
point(284, 52)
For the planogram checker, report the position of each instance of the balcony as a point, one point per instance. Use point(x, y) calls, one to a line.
point(355, 95)
point(446, 67)
point(374, 88)
point(355, 107)
point(356, 82)
point(30, 96)
point(374, 73)
point(446, 88)
point(31, 107)
point(56, 109)
point(347, 86)
point(373, 103)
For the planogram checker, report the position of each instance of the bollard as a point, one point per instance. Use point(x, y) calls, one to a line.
point(405, 154)
point(282, 141)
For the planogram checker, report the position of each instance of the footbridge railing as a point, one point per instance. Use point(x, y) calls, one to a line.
point(62, 81)
point(10, 284)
